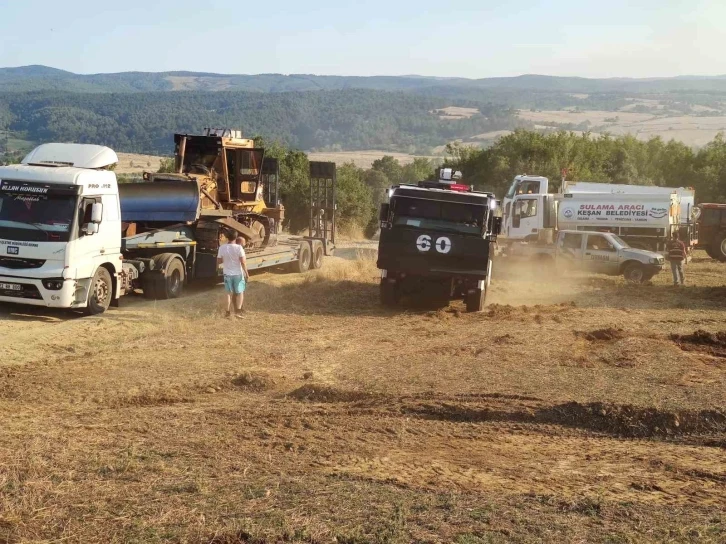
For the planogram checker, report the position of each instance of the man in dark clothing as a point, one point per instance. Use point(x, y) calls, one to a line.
point(676, 255)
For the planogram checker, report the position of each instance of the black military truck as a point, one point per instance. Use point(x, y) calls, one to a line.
point(437, 242)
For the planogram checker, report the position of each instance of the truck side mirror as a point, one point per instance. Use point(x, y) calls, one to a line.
point(91, 228)
point(96, 212)
point(383, 212)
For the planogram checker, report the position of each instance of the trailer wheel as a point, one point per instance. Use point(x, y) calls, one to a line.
point(475, 300)
point(100, 292)
point(318, 255)
point(634, 272)
point(719, 248)
point(389, 293)
point(302, 264)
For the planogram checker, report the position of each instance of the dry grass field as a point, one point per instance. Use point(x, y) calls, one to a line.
point(573, 409)
point(689, 129)
point(133, 163)
point(364, 158)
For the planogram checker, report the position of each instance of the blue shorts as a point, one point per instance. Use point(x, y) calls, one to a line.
point(234, 284)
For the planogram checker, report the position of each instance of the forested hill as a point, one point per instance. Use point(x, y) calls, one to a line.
point(145, 122)
point(38, 78)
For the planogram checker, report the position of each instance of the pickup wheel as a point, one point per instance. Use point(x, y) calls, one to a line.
point(100, 292)
point(719, 248)
point(635, 272)
point(475, 300)
point(390, 294)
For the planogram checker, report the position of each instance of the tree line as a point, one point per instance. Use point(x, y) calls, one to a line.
point(621, 159)
point(324, 120)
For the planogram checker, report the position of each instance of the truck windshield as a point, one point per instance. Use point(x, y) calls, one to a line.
point(432, 214)
point(32, 218)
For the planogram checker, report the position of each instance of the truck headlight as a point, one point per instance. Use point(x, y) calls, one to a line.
point(654, 260)
point(53, 285)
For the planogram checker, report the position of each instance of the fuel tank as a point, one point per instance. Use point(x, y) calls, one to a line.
point(162, 201)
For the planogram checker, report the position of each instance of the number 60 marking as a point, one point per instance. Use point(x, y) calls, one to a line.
point(442, 244)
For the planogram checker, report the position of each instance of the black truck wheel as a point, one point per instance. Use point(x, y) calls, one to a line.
point(389, 293)
point(318, 256)
point(172, 283)
point(719, 248)
point(100, 292)
point(168, 284)
point(475, 300)
point(304, 259)
point(634, 272)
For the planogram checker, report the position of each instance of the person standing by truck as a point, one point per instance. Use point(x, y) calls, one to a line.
point(676, 255)
point(234, 266)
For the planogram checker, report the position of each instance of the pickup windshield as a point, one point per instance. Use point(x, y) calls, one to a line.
point(433, 214)
point(29, 218)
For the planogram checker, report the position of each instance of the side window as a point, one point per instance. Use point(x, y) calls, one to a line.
point(572, 241)
point(85, 212)
point(529, 208)
point(599, 243)
point(526, 208)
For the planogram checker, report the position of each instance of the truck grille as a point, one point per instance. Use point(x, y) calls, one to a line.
point(17, 263)
point(28, 291)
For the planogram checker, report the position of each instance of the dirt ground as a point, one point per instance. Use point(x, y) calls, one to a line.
point(573, 409)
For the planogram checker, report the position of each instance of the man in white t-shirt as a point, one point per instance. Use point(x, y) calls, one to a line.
point(234, 265)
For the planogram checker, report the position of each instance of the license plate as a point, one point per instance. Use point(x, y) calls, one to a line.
point(11, 287)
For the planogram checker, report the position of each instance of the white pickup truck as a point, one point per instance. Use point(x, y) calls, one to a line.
point(596, 252)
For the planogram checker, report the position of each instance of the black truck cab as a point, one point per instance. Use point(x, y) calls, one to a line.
point(436, 241)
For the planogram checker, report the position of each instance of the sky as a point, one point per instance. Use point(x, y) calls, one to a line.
point(454, 38)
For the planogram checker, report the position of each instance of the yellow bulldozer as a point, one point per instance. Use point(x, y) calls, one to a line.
point(232, 175)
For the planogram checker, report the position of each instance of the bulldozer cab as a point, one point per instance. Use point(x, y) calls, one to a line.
point(244, 170)
point(232, 163)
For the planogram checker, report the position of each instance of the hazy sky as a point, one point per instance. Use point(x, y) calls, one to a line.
point(468, 38)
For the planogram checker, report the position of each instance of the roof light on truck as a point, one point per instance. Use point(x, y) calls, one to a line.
point(459, 187)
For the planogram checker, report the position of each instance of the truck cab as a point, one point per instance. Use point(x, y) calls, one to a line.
point(436, 241)
point(60, 228)
point(526, 187)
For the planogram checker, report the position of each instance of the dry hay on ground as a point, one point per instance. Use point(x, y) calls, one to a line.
point(690, 129)
point(455, 112)
point(364, 158)
point(132, 163)
point(570, 410)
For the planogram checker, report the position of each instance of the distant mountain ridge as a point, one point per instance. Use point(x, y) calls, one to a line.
point(44, 78)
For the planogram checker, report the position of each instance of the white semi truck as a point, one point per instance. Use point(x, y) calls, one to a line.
point(71, 237)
